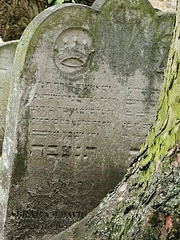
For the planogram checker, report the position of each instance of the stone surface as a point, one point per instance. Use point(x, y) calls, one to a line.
point(86, 81)
point(7, 51)
point(164, 5)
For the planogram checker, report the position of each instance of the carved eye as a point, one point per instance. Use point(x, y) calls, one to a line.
point(72, 62)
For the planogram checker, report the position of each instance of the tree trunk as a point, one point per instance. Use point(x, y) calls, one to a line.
point(146, 204)
point(15, 16)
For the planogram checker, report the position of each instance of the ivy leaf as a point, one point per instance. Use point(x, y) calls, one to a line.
point(50, 1)
point(58, 1)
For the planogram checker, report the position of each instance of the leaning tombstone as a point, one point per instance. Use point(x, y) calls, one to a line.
point(86, 81)
point(7, 51)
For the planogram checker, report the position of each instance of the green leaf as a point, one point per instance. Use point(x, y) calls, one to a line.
point(59, 1)
point(50, 1)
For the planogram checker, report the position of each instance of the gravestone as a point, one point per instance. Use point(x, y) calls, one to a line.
point(86, 81)
point(7, 51)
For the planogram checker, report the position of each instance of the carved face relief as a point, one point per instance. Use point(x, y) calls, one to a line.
point(72, 50)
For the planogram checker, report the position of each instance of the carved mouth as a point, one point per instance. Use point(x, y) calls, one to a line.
point(72, 62)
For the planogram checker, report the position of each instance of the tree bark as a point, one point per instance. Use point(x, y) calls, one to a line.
point(15, 15)
point(146, 204)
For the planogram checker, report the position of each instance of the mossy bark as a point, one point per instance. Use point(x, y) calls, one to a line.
point(146, 204)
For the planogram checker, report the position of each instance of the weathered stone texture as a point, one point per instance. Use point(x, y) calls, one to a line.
point(164, 5)
point(146, 204)
point(7, 52)
point(83, 97)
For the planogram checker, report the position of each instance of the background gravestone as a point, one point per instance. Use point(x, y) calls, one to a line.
point(7, 51)
point(84, 92)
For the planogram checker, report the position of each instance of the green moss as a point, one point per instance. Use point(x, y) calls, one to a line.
point(152, 229)
point(164, 133)
point(140, 7)
point(19, 168)
point(155, 178)
point(20, 161)
point(0, 167)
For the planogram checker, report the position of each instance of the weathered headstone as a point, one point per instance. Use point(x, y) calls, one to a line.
point(85, 86)
point(7, 51)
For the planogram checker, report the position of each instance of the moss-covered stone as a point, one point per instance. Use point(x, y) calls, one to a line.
point(146, 204)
